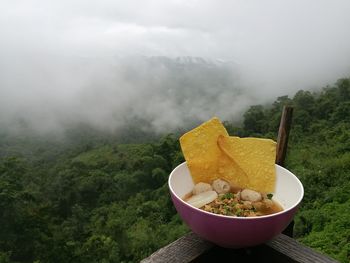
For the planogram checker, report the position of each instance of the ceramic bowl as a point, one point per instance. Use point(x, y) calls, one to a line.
point(237, 232)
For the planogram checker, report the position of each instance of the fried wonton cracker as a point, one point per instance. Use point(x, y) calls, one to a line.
point(256, 157)
point(204, 158)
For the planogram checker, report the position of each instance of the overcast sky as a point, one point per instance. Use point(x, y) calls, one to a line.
point(278, 47)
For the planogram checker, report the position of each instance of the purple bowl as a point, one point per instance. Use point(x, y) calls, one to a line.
point(237, 232)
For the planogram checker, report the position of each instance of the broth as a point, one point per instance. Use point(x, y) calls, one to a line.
point(231, 204)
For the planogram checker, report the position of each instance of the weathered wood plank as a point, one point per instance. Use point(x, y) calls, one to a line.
point(262, 253)
point(283, 134)
point(189, 247)
point(184, 249)
point(281, 148)
point(300, 253)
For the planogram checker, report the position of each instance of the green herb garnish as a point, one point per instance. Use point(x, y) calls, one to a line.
point(227, 196)
point(269, 196)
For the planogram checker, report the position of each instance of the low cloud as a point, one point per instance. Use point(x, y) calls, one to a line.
point(170, 63)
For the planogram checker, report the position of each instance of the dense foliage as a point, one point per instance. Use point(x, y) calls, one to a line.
point(92, 198)
point(319, 153)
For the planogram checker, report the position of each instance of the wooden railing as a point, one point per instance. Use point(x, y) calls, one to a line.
point(191, 248)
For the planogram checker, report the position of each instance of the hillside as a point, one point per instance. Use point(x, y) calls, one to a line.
point(96, 199)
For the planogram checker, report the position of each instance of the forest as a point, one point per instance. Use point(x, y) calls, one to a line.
point(96, 197)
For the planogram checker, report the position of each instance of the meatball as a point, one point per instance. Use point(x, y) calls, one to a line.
point(250, 195)
point(221, 186)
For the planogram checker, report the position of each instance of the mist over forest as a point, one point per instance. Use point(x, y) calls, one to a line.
point(113, 94)
point(107, 94)
point(168, 64)
point(95, 94)
point(94, 197)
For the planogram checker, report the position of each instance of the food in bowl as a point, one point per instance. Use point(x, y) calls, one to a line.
point(236, 232)
point(216, 162)
point(211, 154)
point(220, 198)
point(220, 163)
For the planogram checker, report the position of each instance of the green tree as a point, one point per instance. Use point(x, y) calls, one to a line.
point(254, 119)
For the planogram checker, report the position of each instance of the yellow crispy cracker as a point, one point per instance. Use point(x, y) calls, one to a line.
point(256, 157)
point(205, 160)
point(200, 150)
point(231, 172)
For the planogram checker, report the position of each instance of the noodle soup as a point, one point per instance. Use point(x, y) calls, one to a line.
point(221, 198)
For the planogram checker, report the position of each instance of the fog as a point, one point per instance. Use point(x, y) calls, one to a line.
point(168, 63)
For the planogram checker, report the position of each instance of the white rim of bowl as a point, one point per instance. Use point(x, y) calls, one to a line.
point(236, 217)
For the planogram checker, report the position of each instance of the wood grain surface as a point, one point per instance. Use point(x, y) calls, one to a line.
point(283, 134)
point(191, 248)
point(185, 249)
